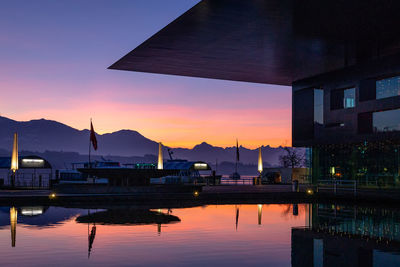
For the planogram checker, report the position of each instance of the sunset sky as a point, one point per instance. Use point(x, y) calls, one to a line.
point(53, 63)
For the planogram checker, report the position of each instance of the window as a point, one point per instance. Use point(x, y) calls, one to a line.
point(344, 98)
point(349, 98)
point(319, 106)
point(388, 87)
point(365, 123)
point(367, 90)
point(386, 121)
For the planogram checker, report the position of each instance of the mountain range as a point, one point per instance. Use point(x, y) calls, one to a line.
point(46, 135)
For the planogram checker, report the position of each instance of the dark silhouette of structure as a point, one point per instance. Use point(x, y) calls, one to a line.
point(340, 57)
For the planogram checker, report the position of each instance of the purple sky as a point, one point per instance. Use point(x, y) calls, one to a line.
point(53, 64)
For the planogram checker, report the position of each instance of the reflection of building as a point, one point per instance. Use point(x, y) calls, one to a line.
point(128, 217)
point(347, 236)
point(312, 248)
point(38, 216)
point(343, 68)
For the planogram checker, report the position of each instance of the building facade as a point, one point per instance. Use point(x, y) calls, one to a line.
point(350, 118)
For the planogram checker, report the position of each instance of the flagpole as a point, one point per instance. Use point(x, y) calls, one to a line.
point(90, 165)
point(237, 152)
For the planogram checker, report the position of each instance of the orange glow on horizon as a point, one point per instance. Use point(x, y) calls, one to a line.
point(157, 115)
point(178, 132)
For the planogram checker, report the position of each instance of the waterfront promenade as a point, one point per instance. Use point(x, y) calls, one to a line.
point(209, 195)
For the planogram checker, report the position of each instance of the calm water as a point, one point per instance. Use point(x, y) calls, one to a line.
point(223, 235)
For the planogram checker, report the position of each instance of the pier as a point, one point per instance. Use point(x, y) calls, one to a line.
point(208, 195)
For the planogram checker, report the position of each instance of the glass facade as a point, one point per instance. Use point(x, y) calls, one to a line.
point(372, 165)
point(349, 98)
point(386, 121)
point(318, 106)
point(388, 87)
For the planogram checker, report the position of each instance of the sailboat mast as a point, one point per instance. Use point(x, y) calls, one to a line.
point(237, 155)
point(90, 140)
point(236, 166)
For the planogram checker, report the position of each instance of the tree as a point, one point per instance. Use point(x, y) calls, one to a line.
point(292, 159)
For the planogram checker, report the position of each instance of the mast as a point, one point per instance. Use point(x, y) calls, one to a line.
point(90, 143)
point(237, 155)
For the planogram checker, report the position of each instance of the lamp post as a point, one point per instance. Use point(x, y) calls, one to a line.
point(260, 163)
point(160, 157)
point(14, 159)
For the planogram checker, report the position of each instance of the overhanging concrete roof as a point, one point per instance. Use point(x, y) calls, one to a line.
point(269, 41)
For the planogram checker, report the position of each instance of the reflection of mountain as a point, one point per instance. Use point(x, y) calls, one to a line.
point(128, 217)
point(48, 217)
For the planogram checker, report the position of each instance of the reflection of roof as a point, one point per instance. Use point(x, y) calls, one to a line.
point(185, 165)
point(268, 41)
point(26, 162)
point(51, 216)
point(127, 217)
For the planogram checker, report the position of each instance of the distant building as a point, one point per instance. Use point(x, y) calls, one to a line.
point(342, 59)
point(287, 174)
point(33, 171)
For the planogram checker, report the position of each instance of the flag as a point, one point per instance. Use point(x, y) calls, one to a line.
point(237, 151)
point(93, 136)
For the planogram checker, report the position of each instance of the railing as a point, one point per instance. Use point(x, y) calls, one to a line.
point(241, 181)
point(30, 180)
point(335, 185)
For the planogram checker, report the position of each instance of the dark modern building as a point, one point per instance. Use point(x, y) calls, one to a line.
point(342, 59)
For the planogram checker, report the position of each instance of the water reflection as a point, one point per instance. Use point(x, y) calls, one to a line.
point(295, 209)
point(128, 217)
point(237, 218)
point(13, 224)
point(348, 236)
point(91, 237)
point(38, 216)
point(298, 234)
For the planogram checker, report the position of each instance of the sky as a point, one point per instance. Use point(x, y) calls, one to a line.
point(54, 57)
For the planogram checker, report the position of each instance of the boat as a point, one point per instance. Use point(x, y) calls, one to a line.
point(186, 172)
point(236, 175)
point(75, 176)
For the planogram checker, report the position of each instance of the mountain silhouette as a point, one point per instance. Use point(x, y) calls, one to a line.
point(46, 135)
point(41, 135)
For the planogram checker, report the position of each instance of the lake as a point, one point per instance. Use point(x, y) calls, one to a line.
point(214, 235)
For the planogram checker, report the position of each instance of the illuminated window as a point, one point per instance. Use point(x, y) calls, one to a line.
point(349, 98)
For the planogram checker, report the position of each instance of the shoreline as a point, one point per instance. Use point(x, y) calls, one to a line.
point(279, 194)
